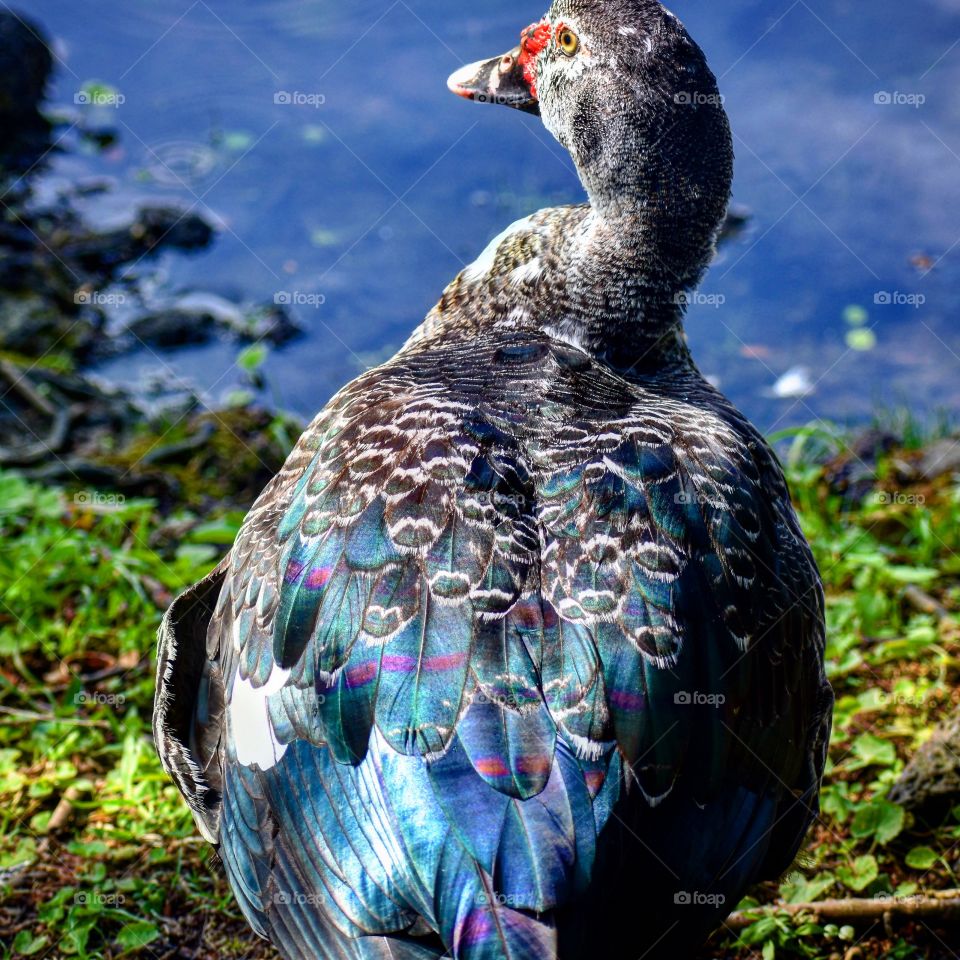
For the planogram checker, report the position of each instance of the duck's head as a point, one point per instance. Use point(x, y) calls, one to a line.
point(624, 88)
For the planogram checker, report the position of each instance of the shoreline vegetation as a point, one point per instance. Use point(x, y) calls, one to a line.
point(110, 503)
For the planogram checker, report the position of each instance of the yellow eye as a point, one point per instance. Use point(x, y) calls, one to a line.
point(568, 41)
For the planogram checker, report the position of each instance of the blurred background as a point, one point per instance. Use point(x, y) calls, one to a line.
point(348, 183)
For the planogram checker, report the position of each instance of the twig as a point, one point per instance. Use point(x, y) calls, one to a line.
point(943, 906)
point(29, 716)
point(117, 670)
point(18, 380)
point(63, 809)
point(32, 452)
point(925, 603)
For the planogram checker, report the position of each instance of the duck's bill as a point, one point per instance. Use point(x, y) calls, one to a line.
point(500, 80)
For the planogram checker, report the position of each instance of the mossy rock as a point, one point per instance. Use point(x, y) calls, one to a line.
point(206, 460)
point(930, 783)
point(32, 326)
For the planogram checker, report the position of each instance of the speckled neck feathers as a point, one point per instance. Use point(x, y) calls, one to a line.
point(644, 122)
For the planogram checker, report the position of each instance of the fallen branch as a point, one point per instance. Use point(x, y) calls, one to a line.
point(17, 379)
point(926, 604)
point(63, 810)
point(943, 906)
point(33, 717)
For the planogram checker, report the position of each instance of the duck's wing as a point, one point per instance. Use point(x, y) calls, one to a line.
point(670, 541)
point(384, 590)
point(368, 591)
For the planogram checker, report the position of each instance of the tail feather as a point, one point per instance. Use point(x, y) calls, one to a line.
point(189, 703)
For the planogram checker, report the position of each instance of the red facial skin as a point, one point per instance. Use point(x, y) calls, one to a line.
point(533, 41)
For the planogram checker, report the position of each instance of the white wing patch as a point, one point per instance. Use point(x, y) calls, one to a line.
point(527, 272)
point(481, 267)
point(250, 728)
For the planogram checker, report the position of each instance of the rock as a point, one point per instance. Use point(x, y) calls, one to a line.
point(151, 229)
point(44, 413)
point(196, 317)
point(942, 458)
point(930, 783)
point(853, 472)
point(53, 253)
point(25, 65)
point(270, 323)
point(168, 329)
point(225, 312)
point(31, 326)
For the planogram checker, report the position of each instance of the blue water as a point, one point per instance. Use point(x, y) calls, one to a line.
point(371, 200)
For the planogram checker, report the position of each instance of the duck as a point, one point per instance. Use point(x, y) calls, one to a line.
point(521, 653)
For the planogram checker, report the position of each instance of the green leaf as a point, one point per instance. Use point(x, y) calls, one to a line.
point(322, 237)
point(133, 936)
point(860, 874)
point(25, 943)
point(252, 358)
point(861, 338)
point(237, 141)
point(312, 133)
point(769, 950)
point(921, 858)
point(880, 819)
point(869, 750)
point(760, 931)
point(222, 531)
point(196, 554)
point(904, 574)
point(834, 801)
point(799, 889)
point(855, 316)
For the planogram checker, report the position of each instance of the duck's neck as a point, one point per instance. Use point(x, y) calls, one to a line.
point(649, 235)
point(626, 290)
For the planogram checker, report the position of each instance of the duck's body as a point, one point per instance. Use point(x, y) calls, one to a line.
point(521, 653)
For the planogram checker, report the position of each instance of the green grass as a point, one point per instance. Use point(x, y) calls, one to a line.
point(99, 857)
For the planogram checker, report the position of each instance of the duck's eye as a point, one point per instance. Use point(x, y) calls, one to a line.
point(568, 41)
